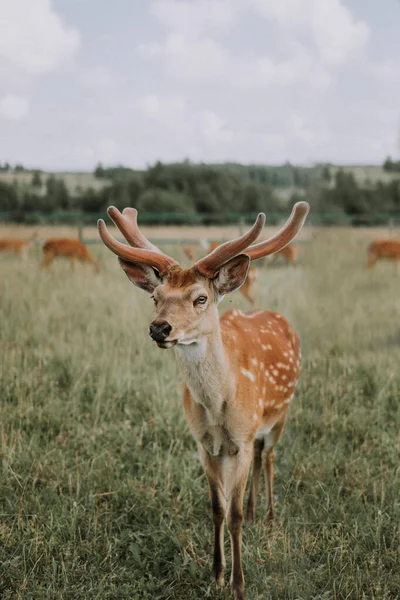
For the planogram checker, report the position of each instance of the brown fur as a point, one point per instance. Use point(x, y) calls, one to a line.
point(379, 249)
point(68, 248)
point(17, 246)
point(247, 289)
point(290, 253)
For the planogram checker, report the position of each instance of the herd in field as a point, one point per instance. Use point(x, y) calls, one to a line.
point(240, 370)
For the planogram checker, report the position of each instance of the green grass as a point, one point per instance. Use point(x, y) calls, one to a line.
point(102, 494)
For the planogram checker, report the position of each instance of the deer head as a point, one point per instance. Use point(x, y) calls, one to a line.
point(186, 300)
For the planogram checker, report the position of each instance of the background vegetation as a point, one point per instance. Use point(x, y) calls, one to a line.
point(102, 495)
point(186, 192)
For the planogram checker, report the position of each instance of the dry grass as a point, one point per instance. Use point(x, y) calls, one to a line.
point(102, 495)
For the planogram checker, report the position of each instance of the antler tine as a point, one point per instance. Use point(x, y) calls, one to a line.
point(209, 265)
point(127, 224)
point(158, 260)
point(284, 236)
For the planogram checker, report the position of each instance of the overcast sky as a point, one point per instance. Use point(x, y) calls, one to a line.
point(134, 81)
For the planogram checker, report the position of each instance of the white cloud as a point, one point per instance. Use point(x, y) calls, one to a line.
point(337, 35)
point(33, 37)
point(316, 35)
point(14, 107)
point(387, 71)
point(193, 18)
point(161, 107)
point(97, 78)
point(213, 128)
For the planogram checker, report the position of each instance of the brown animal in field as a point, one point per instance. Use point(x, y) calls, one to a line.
point(190, 253)
point(240, 370)
point(17, 246)
point(383, 249)
point(290, 254)
point(68, 248)
point(247, 289)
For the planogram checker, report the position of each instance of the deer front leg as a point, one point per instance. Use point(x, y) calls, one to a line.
point(212, 466)
point(238, 472)
point(255, 480)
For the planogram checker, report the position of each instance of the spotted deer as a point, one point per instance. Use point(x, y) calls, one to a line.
point(379, 249)
point(246, 289)
point(17, 246)
point(74, 250)
point(240, 370)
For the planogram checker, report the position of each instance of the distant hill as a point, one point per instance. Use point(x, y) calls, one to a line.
point(75, 182)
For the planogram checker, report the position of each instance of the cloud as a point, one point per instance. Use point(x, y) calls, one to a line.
point(315, 38)
point(387, 71)
point(97, 78)
point(14, 107)
point(331, 27)
point(34, 38)
point(197, 17)
point(161, 107)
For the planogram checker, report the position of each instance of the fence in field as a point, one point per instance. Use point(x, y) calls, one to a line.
point(81, 220)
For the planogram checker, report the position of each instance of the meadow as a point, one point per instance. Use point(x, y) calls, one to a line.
point(102, 495)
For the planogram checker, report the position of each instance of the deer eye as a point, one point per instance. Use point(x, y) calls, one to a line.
point(200, 300)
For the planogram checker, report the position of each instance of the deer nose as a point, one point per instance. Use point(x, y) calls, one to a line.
point(159, 330)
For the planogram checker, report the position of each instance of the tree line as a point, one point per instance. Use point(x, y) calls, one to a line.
point(183, 191)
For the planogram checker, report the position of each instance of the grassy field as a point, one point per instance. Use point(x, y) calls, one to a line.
point(102, 494)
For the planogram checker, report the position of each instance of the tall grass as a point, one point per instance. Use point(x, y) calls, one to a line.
point(102, 494)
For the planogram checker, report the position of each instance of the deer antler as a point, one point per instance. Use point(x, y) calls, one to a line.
point(284, 236)
point(210, 264)
point(143, 251)
point(127, 224)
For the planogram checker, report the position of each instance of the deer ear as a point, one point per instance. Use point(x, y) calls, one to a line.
point(232, 274)
point(143, 276)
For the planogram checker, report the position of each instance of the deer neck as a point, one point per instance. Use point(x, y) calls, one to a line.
point(206, 369)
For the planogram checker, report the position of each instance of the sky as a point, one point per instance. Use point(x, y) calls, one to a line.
point(253, 81)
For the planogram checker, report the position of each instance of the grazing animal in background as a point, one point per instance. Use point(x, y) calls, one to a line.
point(190, 253)
point(68, 248)
point(17, 246)
point(290, 254)
point(379, 249)
point(240, 370)
point(247, 289)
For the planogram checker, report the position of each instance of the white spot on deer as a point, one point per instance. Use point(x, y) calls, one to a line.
point(261, 365)
point(248, 374)
point(254, 361)
point(291, 384)
point(263, 391)
point(284, 377)
point(279, 405)
point(254, 417)
point(285, 354)
point(275, 372)
point(260, 402)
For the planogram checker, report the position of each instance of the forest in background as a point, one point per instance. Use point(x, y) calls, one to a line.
point(186, 192)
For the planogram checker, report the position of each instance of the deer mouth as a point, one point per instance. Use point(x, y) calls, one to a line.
point(165, 345)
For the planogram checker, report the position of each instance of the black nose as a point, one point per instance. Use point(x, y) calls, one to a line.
point(159, 330)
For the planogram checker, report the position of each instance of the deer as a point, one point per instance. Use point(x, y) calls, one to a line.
point(18, 246)
point(383, 249)
point(247, 289)
point(68, 248)
point(289, 253)
point(240, 370)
